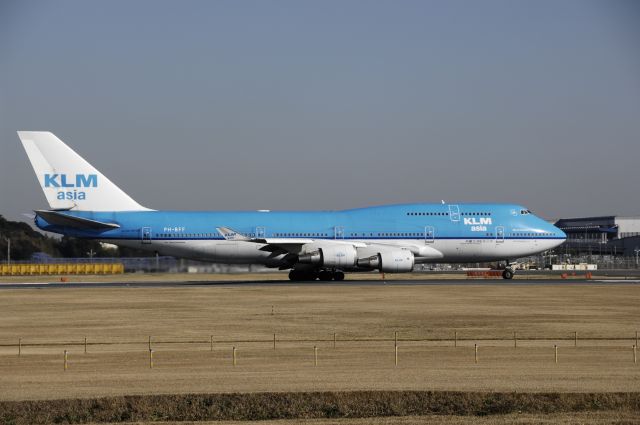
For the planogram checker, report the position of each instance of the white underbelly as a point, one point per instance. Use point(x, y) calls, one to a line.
point(238, 252)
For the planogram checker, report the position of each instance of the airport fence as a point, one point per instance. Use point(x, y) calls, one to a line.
point(41, 269)
point(452, 339)
point(129, 264)
point(159, 264)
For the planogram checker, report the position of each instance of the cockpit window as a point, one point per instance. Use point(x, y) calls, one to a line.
point(525, 212)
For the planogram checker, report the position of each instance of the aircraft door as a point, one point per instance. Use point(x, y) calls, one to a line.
point(454, 213)
point(145, 235)
point(429, 234)
point(338, 232)
point(500, 234)
point(261, 232)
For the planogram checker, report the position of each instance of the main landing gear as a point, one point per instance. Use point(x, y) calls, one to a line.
point(311, 275)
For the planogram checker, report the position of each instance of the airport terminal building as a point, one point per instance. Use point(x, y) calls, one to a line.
point(605, 235)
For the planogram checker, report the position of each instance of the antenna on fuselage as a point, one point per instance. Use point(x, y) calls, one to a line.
point(442, 202)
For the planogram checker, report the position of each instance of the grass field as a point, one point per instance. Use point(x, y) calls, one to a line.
point(520, 419)
point(118, 321)
point(326, 407)
point(598, 418)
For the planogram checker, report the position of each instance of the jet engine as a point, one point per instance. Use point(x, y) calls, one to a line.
point(340, 256)
point(390, 261)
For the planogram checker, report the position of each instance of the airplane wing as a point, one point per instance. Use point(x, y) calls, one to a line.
point(418, 250)
point(294, 245)
point(231, 235)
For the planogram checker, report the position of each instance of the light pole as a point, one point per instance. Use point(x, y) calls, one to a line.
point(589, 242)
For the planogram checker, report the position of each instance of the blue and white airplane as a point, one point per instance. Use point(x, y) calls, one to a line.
point(312, 244)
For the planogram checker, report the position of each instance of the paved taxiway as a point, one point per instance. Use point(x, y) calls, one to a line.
point(232, 283)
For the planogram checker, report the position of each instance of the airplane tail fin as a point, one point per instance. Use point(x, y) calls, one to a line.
point(68, 181)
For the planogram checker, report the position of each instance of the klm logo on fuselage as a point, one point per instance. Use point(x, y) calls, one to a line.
point(478, 224)
point(473, 221)
point(71, 187)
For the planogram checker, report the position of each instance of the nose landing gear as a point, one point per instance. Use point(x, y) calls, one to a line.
point(507, 273)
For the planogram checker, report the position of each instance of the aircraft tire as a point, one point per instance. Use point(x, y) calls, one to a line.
point(302, 276)
point(294, 275)
point(507, 274)
point(325, 275)
point(338, 276)
point(310, 276)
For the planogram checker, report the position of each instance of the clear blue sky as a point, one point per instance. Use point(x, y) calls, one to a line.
point(330, 104)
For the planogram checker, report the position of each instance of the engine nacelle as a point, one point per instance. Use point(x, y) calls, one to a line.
point(339, 256)
point(392, 261)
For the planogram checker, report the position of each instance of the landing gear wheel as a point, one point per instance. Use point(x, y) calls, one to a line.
point(302, 275)
point(294, 275)
point(338, 276)
point(507, 274)
point(311, 276)
point(325, 275)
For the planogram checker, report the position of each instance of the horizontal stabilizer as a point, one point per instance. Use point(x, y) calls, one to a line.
point(58, 218)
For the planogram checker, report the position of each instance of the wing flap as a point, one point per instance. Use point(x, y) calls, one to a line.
point(420, 251)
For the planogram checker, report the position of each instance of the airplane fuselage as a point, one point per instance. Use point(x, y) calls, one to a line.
point(461, 233)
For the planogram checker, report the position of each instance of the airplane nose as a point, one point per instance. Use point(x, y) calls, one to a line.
point(562, 236)
point(559, 232)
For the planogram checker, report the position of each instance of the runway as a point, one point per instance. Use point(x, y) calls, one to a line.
point(266, 283)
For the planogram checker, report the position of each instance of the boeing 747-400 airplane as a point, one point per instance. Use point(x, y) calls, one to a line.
point(312, 244)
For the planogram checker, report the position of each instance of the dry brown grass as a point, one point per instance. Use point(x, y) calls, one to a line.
point(581, 418)
point(325, 405)
point(308, 316)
